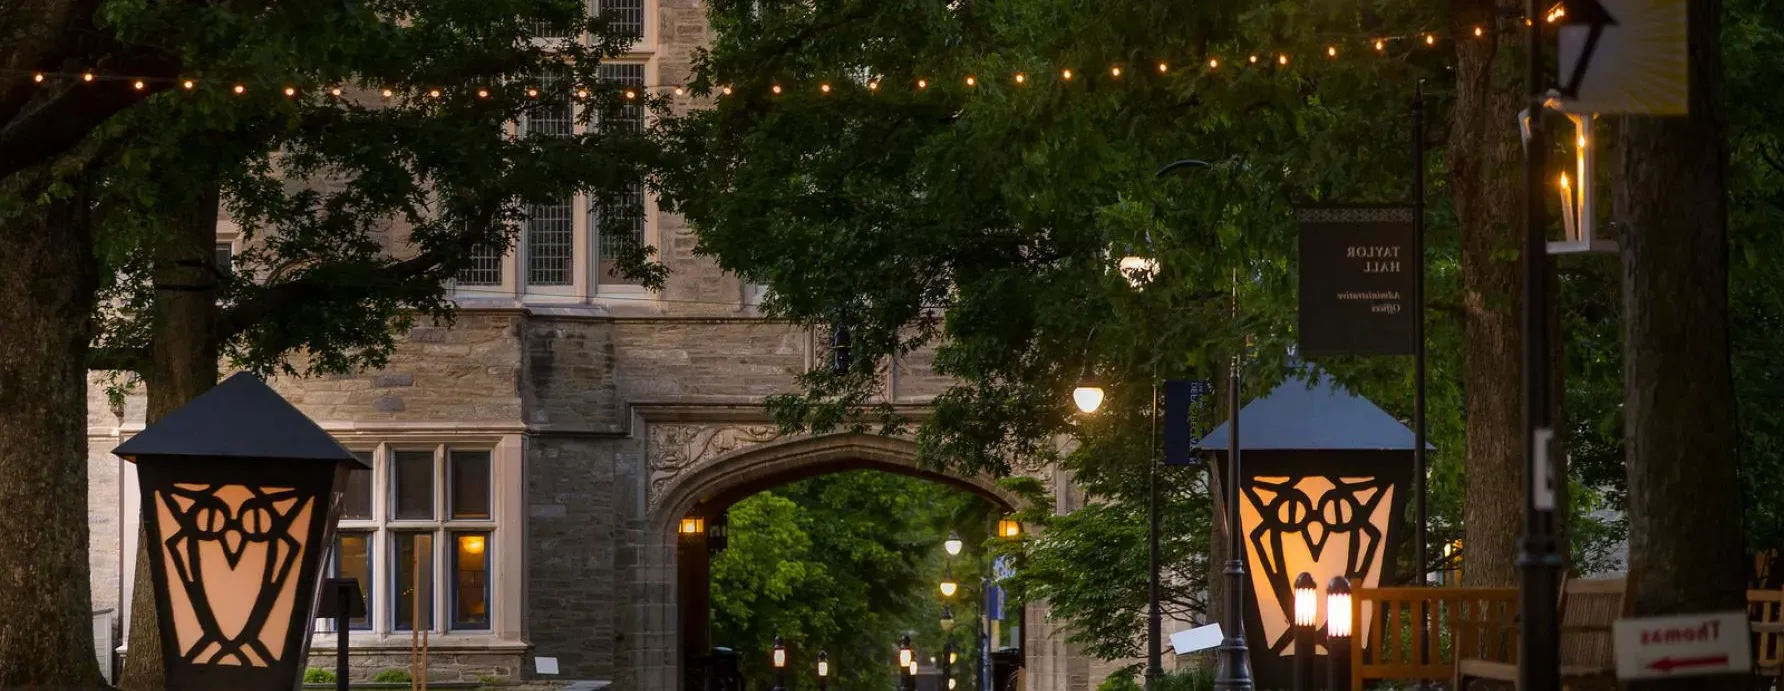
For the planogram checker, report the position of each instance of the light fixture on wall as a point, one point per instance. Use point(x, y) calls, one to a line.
point(1009, 528)
point(693, 525)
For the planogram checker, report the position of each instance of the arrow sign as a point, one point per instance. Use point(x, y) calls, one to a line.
point(1669, 664)
point(1682, 646)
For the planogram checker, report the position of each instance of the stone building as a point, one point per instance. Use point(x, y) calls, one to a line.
point(532, 461)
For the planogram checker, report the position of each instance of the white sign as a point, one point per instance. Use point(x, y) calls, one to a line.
point(545, 665)
point(1624, 56)
point(1198, 638)
point(1682, 646)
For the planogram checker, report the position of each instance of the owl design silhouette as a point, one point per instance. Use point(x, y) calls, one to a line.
point(1325, 526)
point(232, 556)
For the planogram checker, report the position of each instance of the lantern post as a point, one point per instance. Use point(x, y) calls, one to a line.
point(240, 496)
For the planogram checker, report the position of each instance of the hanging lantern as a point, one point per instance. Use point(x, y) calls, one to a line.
point(240, 496)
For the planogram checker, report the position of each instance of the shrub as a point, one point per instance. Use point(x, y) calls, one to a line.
point(392, 675)
point(318, 675)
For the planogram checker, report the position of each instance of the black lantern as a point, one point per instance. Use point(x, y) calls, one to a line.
point(240, 496)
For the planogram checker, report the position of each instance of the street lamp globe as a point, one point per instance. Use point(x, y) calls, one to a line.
point(953, 544)
point(823, 664)
point(1089, 394)
point(949, 586)
point(780, 653)
point(947, 619)
point(913, 668)
point(905, 657)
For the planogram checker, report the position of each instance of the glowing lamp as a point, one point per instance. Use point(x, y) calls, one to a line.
point(472, 544)
point(951, 683)
point(1009, 528)
point(823, 663)
point(780, 653)
point(1338, 608)
point(953, 544)
point(240, 496)
point(949, 586)
point(1306, 600)
point(693, 525)
point(905, 657)
point(913, 668)
point(1088, 395)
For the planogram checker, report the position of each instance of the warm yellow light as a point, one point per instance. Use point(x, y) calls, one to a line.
point(1331, 51)
point(951, 683)
point(472, 544)
point(823, 668)
point(1162, 68)
point(138, 85)
point(188, 84)
point(1066, 74)
point(780, 657)
point(1430, 40)
point(953, 545)
point(1116, 71)
point(290, 91)
point(1088, 398)
point(922, 83)
point(1564, 184)
point(1282, 59)
point(1020, 78)
point(1477, 32)
point(821, 87)
point(87, 77)
point(39, 78)
point(693, 525)
point(630, 94)
point(483, 93)
point(949, 587)
point(776, 88)
point(387, 93)
point(1338, 608)
point(1254, 59)
point(727, 91)
point(1213, 63)
point(905, 658)
point(1009, 528)
point(971, 81)
point(679, 91)
point(913, 668)
point(873, 86)
point(1380, 45)
point(239, 89)
point(531, 93)
point(1306, 600)
point(953, 658)
point(1580, 141)
point(583, 93)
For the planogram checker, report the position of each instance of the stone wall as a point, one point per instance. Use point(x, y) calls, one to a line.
point(442, 665)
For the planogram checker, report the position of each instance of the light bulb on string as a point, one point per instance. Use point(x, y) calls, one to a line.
point(433, 93)
point(1331, 51)
point(1254, 59)
point(1066, 75)
point(1020, 79)
point(873, 86)
point(824, 88)
point(678, 91)
point(1478, 32)
point(727, 91)
point(37, 77)
point(633, 95)
point(239, 89)
point(531, 93)
point(1214, 63)
point(483, 93)
point(138, 85)
point(1282, 59)
point(776, 88)
point(922, 83)
point(1162, 67)
point(387, 93)
point(1430, 40)
point(290, 91)
point(583, 93)
point(1115, 71)
point(87, 77)
point(971, 81)
point(1380, 45)
point(188, 84)
point(335, 91)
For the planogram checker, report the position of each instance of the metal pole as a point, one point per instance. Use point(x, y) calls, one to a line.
point(1154, 618)
point(1235, 663)
point(1303, 653)
point(342, 628)
point(1420, 465)
point(1539, 640)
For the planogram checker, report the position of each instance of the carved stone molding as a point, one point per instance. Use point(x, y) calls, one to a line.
point(677, 449)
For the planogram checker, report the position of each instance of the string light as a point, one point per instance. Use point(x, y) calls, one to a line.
point(1254, 59)
point(727, 91)
point(87, 77)
point(188, 84)
point(632, 95)
point(239, 89)
point(1477, 32)
point(1430, 40)
point(1066, 74)
point(483, 93)
point(777, 88)
point(873, 86)
point(433, 93)
point(531, 93)
point(1161, 68)
point(37, 77)
point(971, 81)
point(1380, 45)
point(821, 87)
point(1331, 51)
point(922, 83)
point(1020, 78)
point(387, 93)
point(678, 91)
point(1116, 71)
point(138, 85)
point(290, 91)
point(583, 93)
point(335, 91)
point(1282, 59)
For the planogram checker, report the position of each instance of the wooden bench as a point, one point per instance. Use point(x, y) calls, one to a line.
point(1475, 621)
point(1765, 608)
point(1588, 607)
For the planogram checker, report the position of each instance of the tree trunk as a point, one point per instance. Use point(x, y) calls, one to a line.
point(46, 255)
point(1484, 159)
point(182, 365)
point(1685, 530)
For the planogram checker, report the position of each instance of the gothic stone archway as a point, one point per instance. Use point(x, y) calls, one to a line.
point(714, 465)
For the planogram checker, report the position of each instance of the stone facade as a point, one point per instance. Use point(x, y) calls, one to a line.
point(610, 416)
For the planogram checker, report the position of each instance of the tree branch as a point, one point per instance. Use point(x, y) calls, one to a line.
point(122, 359)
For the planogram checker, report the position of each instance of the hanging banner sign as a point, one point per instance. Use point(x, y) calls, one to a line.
point(1181, 396)
point(1358, 275)
point(1623, 57)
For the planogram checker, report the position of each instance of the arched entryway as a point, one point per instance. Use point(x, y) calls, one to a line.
point(676, 621)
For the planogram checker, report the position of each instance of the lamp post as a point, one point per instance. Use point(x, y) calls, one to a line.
point(238, 506)
point(907, 660)
point(1306, 615)
point(780, 664)
point(953, 544)
point(947, 663)
point(1338, 633)
point(823, 670)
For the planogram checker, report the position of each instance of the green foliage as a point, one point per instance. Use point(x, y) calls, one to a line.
point(318, 675)
point(1193, 679)
point(391, 676)
point(845, 563)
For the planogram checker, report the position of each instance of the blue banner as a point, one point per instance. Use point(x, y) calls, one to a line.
point(1181, 396)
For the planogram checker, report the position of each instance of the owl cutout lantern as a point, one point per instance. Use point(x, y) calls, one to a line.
point(240, 497)
point(1325, 477)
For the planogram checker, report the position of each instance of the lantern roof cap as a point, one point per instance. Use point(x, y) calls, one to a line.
point(239, 418)
point(1314, 416)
